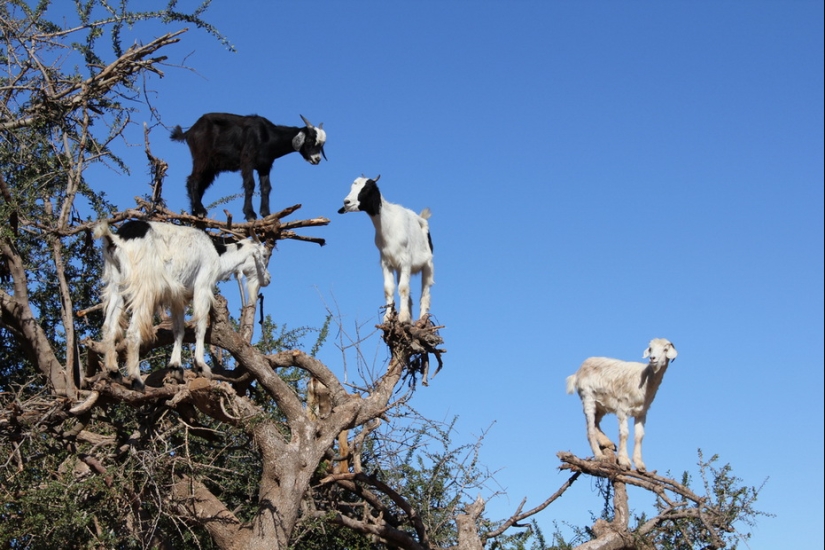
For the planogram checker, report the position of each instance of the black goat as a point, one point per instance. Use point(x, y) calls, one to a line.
point(222, 142)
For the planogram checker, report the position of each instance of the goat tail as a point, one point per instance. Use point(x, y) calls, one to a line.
point(425, 226)
point(178, 134)
point(571, 383)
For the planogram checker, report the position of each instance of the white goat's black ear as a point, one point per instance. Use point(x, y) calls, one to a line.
point(298, 141)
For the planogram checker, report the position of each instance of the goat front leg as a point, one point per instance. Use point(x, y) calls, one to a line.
point(248, 190)
point(624, 461)
point(404, 297)
point(639, 433)
point(266, 188)
point(389, 289)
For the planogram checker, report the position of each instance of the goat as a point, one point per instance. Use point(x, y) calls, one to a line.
point(151, 265)
point(403, 239)
point(249, 270)
point(223, 142)
point(624, 388)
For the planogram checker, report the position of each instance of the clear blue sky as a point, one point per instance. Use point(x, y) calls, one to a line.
point(600, 174)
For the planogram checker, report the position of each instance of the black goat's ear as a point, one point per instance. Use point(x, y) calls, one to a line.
point(298, 140)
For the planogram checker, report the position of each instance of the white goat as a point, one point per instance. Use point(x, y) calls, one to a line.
point(624, 388)
point(402, 238)
point(151, 265)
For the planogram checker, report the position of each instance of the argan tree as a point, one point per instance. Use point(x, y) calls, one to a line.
point(273, 451)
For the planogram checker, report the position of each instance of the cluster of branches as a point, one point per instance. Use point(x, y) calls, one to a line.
point(241, 460)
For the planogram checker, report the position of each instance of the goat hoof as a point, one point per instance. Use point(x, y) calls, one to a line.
point(204, 371)
point(138, 385)
point(176, 374)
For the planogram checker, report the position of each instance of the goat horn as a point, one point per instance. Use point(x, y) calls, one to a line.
point(308, 123)
point(376, 178)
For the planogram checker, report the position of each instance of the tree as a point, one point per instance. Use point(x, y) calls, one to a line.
point(272, 451)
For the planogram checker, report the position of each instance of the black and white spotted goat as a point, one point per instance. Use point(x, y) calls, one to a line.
point(223, 142)
point(402, 238)
point(151, 265)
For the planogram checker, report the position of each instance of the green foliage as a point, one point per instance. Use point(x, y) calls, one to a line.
point(418, 458)
point(734, 503)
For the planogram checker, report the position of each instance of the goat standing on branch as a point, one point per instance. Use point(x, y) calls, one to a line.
point(624, 388)
point(151, 265)
point(222, 142)
point(403, 239)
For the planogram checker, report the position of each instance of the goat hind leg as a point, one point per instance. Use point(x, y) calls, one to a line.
point(111, 332)
point(426, 283)
point(133, 341)
point(592, 428)
point(178, 328)
point(603, 440)
point(201, 304)
point(196, 186)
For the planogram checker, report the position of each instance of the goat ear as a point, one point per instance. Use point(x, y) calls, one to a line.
point(646, 354)
point(671, 352)
point(298, 140)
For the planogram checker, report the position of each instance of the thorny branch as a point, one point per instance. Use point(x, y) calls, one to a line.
point(49, 102)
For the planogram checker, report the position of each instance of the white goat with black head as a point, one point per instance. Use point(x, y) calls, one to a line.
point(624, 388)
point(402, 238)
point(151, 265)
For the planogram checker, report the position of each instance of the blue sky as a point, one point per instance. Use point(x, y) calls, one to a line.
point(600, 174)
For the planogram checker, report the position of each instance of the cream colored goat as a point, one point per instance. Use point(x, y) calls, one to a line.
point(624, 388)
